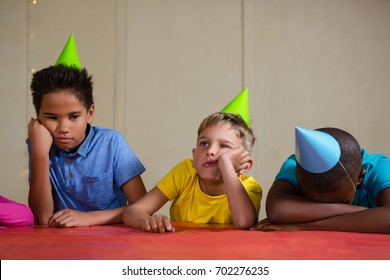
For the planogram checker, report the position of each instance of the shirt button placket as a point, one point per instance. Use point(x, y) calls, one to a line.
point(68, 173)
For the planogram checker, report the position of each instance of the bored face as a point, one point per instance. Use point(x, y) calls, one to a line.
point(66, 118)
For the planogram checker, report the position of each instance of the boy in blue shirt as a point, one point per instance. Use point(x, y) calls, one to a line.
point(80, 175)
point(336, 187)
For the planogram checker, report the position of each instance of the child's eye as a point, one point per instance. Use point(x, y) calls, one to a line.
point(74, 117)
point(203, 144)
point(225, 146)
point(51, 117)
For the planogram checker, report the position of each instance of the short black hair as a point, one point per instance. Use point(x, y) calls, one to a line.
point(61, 77)
point(333, 179)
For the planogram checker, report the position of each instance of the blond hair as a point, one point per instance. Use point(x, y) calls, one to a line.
point(237, 123)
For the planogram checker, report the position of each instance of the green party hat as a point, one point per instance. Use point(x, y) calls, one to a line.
point(69, 56)
point(239, 105)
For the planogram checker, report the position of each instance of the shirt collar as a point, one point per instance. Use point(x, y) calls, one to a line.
point(84, 146)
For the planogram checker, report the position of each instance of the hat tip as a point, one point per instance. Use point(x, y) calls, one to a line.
point(239, 105)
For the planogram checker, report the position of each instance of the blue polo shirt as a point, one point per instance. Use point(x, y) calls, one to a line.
point(376, 179)
point(91, 178)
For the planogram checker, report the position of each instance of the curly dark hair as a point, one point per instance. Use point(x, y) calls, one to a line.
point(333, 179)
point(61, 77)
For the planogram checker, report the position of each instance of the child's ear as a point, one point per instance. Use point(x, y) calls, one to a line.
point(193, 155)
point(90, 113)
point(361, 177)
point(248, 167)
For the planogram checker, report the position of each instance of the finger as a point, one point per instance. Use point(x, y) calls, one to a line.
point(253, 228)
point(31, 124)
point(57, 214)
point(53, 219)
point(243, 168)
point(161, 224)
point(66, 219)
point(67, 222)
point(153, 224)
point(145, 225)
point(256, 227)
point(34, 121)
point(63, 219)
point(167, 224)
point(269, 227)
point(52, 223)
point(261, 224)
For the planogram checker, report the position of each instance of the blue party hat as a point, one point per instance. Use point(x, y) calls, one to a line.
point(316, 151)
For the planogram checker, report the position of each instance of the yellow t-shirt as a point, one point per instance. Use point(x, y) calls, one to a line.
point(191, 204)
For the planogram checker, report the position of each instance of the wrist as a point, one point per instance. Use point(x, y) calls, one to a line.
point(39, 154)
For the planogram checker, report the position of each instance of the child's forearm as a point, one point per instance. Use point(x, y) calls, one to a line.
point(243, 211)
point(285, 205)
point(74, 218)
point(107, 217)
point(133, 216)
point(372, 220)
point(241, 208)
point(40, 194)
point(296, 209)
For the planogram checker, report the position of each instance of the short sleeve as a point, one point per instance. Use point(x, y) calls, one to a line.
point(377, 176)
point(254, 191)
point(126, 163)
point(177, 179)
point(288, 171)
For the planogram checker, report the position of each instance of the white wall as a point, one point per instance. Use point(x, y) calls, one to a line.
point(183, 62)
point(161, 66)
point(13, 99)
point(320, 63)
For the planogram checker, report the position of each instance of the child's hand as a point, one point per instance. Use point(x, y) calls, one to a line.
point(39, 136)
point(266, 225)
point(69, 218)
point(238, 157)
point(157, 223)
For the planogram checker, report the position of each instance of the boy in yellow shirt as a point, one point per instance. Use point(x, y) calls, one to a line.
point(210, 188)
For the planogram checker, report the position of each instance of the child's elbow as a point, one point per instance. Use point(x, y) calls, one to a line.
point(131, 217)
point(41, 220)
point(244, 224)
point(41, 217)
point(127, 216)
point(276, 215)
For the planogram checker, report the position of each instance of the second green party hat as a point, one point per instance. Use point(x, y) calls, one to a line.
point(239, 105)
point(69, 56)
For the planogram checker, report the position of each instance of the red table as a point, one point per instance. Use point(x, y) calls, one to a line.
point(189, 242)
